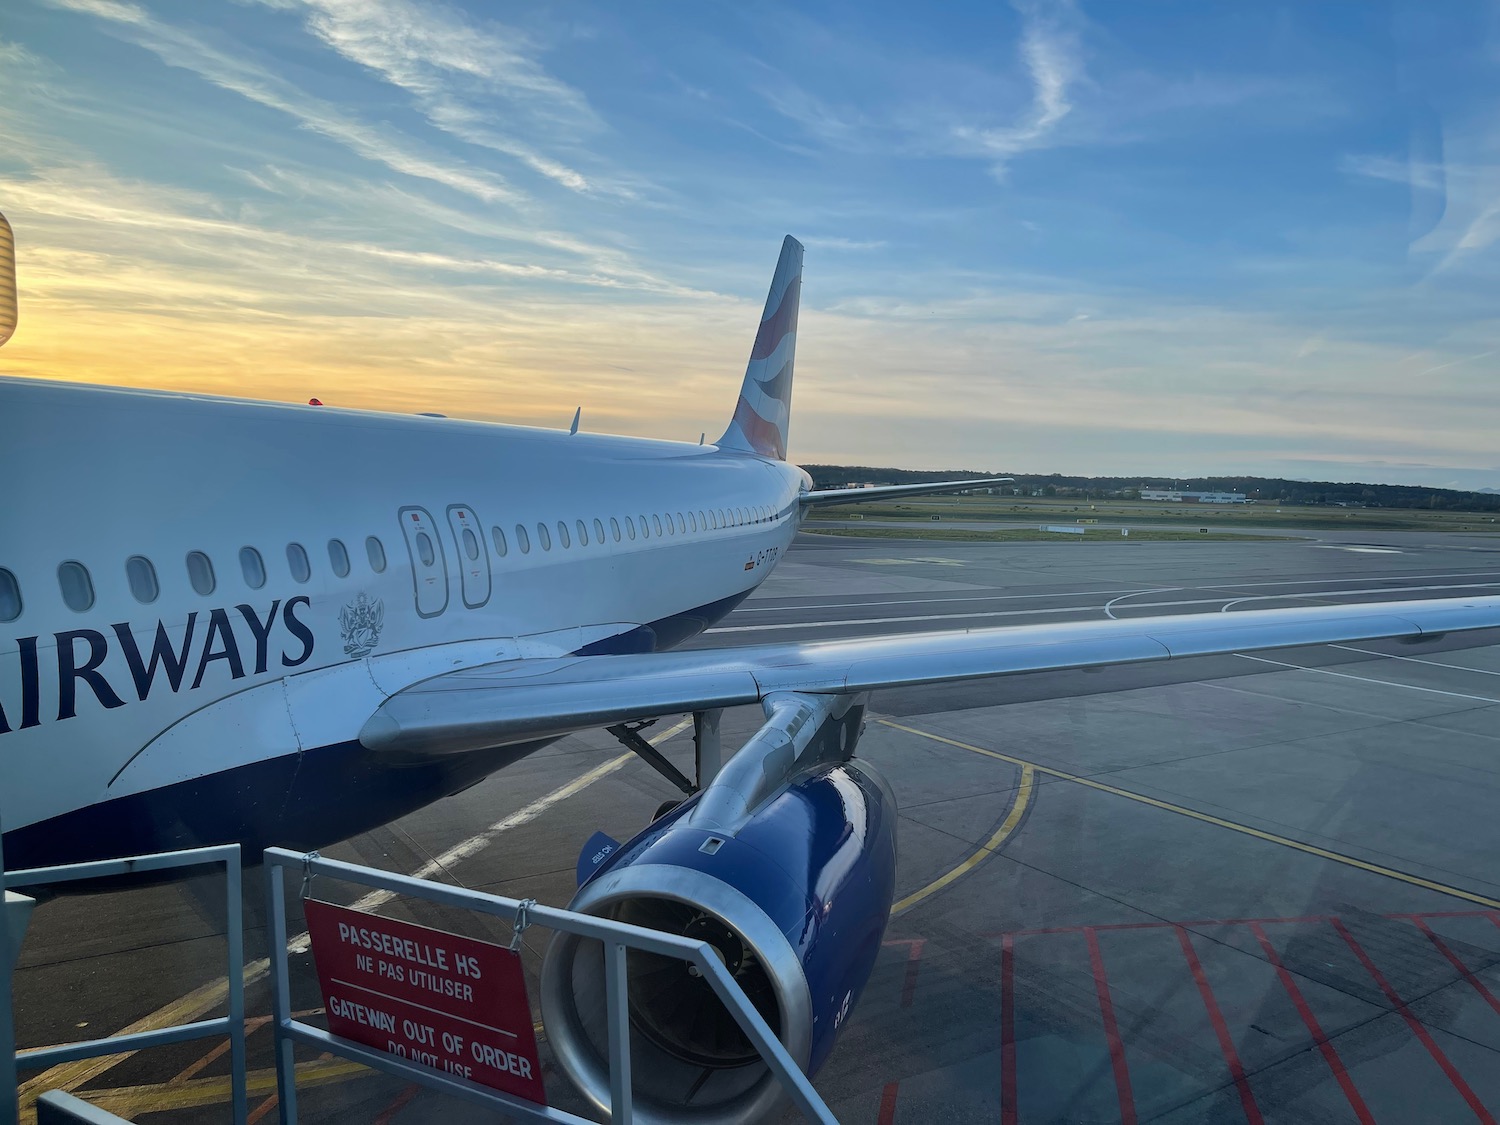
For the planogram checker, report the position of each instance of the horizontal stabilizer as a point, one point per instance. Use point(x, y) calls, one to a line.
point(888, 491)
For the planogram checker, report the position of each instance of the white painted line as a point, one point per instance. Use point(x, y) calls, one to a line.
point(1086, 608)
point(758, 608)
point(475, 844)
point(1417, 660)
point(938, 601)
point(1366, 679)
point(1109, 607)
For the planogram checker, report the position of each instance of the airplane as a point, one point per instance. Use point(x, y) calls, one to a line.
point(225, 620)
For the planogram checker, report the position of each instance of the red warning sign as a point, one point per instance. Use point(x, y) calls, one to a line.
point(448, 1002)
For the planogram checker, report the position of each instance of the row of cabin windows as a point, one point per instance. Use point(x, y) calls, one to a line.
point(77, 585)
point(659, 524)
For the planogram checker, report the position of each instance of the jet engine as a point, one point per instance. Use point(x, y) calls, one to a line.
point(785, 865)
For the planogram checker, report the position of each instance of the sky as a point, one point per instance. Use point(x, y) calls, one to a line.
point(1160, 238)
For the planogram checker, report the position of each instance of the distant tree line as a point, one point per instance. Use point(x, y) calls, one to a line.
point(1265, 490)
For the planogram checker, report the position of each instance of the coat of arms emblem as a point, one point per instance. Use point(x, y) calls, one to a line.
point(361, 621)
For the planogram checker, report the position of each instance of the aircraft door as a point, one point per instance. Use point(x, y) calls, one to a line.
point(473, 555)
point(429, 562)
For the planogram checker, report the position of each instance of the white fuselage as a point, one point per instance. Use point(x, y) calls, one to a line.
point(123, 715)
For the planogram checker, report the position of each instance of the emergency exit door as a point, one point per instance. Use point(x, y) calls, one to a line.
point(429, 562)
point(473, 555)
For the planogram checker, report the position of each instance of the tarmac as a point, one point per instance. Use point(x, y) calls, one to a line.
point(1227, 889)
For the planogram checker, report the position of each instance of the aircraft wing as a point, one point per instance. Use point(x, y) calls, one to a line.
point(888, 491)
point(520, 700)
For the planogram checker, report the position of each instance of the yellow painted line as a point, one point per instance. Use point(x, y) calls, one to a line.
point(185, 1009)
point(132, 1101)
point(1217, 822)
point(1007, 826)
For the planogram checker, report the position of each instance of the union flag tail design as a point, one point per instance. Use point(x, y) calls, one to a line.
point(765, 406)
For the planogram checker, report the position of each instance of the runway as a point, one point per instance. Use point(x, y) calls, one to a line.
point(1221, 889)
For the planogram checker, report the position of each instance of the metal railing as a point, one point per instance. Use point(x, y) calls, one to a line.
point(232, 1024)
point(616, 938)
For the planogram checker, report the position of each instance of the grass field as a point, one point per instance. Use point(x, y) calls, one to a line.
point(1035, 510)
point(1036, 535)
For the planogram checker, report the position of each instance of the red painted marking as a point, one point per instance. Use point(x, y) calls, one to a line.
point(1442, 947)
point(914, 947)
point(1111, 1030)
point(913, 962)
point(398, 1103)
point(1330, 1056)
point(1008, 1110)
point(1306, 918)
point(888, 1104)
point(261, 1110)
point(1221, 1029)
point(1437, 1053)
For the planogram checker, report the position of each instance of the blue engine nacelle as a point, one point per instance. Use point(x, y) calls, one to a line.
point(795, 902)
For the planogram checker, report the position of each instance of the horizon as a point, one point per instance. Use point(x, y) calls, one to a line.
point(1181, 481)
point(1236, 241)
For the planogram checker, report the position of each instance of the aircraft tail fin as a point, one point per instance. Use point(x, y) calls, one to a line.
point(765, 404)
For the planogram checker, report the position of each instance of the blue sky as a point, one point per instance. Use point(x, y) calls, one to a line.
point(1154, 238)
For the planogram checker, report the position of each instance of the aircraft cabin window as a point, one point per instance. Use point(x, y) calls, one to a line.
point(471, 544)
point(544, 536)
point(599, 530)
point(656, 520)
point(10, 596)
point(692, 522)
point(142, 577)
point(376, 550)
point(302, 569)
point(583, 533)
point(614, 528)
point(630, 527)
point(252, 567)
point(77, 586)
point(338, 558)
point(562, 534)
point(424, 551)
point(646, 529)
point(499, 537)
point(523, 540)
point(201, 573)
point(681, 526)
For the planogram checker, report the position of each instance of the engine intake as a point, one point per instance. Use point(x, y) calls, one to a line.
point(793, 898)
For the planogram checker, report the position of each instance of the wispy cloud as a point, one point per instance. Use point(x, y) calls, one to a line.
point(382, 145)
point(1050, 50)
point(851, 244)
point(1427, 175)
point(419, 47)
point(459, 70)
point(1457, 362)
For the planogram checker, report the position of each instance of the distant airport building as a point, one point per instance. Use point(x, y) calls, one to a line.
point(1174, 496)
